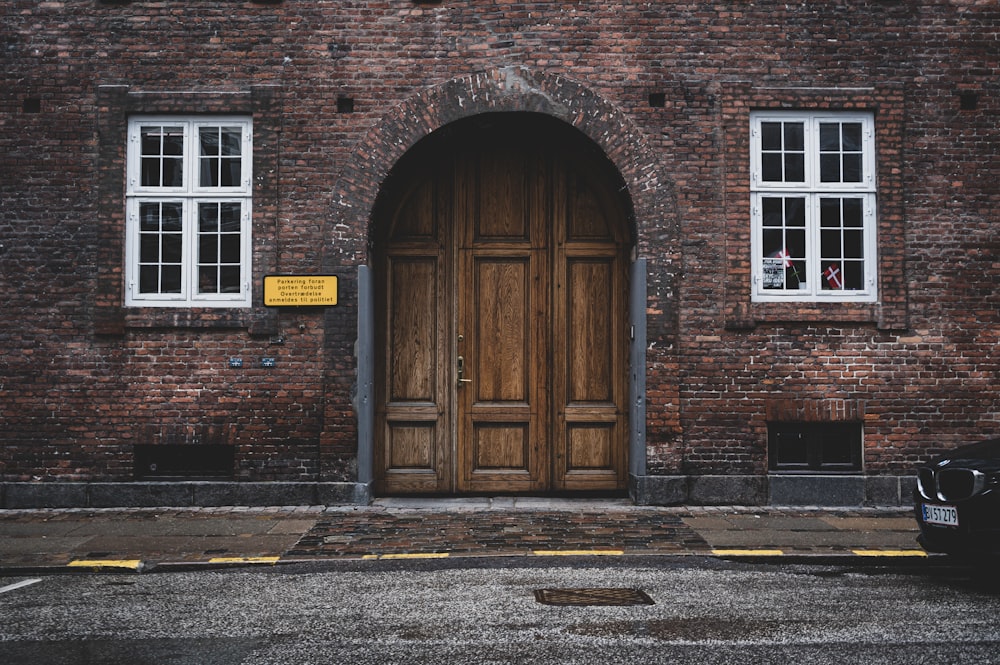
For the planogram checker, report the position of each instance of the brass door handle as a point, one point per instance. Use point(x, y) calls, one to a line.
point(461, 372)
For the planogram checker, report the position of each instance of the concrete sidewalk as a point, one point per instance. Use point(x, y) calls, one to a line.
point(148, 538)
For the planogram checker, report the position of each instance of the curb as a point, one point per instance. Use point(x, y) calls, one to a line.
point(768, 556)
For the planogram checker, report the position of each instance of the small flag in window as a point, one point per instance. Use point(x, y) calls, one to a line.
point(832, 274)
point(783, 254)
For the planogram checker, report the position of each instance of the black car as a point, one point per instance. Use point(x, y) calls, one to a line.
point(957, 501)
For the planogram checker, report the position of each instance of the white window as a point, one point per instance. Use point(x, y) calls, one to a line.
point(188, 207)
point(813, 206)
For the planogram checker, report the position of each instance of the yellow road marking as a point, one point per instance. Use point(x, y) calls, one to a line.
point(747, 552)
point(890, 552)
point(131, 564)
point(578, 552)
point(409, 555)
point(246, 559)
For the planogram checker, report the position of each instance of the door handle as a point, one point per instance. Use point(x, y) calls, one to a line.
point(461, 372)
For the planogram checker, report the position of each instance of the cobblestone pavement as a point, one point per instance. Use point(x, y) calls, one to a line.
point(498, 533)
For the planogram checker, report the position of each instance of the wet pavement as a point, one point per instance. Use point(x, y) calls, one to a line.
point(148, 538)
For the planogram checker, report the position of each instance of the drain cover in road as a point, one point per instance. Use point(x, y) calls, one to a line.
point(582, 597)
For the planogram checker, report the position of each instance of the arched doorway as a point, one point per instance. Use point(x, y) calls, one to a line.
point(501, 334)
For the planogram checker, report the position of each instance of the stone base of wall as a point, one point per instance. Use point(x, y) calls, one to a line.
point(772, 490)
point(180, 494)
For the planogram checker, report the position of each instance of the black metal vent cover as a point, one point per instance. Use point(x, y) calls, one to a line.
point(583, 597)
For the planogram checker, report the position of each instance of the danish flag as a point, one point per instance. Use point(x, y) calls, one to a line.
point(832, 275)
point(783, 254)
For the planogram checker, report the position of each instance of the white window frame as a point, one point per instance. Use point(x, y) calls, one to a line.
point(811, 192)
point(189, 195)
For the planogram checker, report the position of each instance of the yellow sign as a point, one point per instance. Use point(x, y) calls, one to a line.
point(300, 290)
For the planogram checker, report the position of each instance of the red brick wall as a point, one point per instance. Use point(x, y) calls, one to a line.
point(82, 379)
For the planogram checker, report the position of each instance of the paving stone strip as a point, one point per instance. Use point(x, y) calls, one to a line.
point(490, 532)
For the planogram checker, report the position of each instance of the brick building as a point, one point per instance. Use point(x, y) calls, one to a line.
point(710, 252)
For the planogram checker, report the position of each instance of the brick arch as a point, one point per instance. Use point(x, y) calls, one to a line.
point(511, 89)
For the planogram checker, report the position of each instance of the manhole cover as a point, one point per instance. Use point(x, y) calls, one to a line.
point(592, 597)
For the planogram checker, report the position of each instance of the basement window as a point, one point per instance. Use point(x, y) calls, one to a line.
point(811, 447)
point(184, 461)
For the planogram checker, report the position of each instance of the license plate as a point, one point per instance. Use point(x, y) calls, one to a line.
point(943, 515)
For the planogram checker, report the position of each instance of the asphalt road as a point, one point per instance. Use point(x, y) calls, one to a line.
point(485, 611)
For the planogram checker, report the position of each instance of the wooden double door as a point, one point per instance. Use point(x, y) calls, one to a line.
point(503, 336)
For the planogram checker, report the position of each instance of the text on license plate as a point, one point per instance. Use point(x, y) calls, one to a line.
point(945, 515)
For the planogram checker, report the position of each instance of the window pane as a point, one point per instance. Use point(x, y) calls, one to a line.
point(854, 275)
point(835, 449)
point(208, 217)
point(150, 172)
point(770, 166)
point(795, 243)
point(851, 134)
point(173, 141)
point(795, 167)
point(208, 248)
point(149, 248)
point(229, 248)
point(149, 217)
point(854, 246)
point(230, 214)
point(149, 279)
point(229, 175)
point(774, 242)
point(208, 139)
point(173, 172)
point(853, 213)
point(770, 135)
point(795, 212)
point(829, 137)
point(829, 167)
point(794, 136)
point(853, 169)
point(232, 141)
point(829, 212)
point(171, 279)
point(790, 449)
point(171, 219)
point(830, 247)
point(229, 279)
point(208, 279)
point(833, 277)
point(209, 172)
point(171, 244)
point(773, 211)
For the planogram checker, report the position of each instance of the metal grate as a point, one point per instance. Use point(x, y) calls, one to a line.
point(582, 597)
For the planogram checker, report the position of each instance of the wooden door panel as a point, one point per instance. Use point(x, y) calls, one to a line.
point(500, 447)
point(501, 197)
point(413, 326)
point(590, 446)
point(411, 446)
point(590, 352)
point(502, 344)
